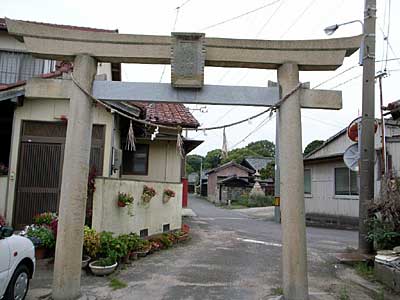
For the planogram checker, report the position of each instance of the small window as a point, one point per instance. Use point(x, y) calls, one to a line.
point(144, 233)
point(307, 181)
point(136, 162)
point(346, 182)
point(165, 228)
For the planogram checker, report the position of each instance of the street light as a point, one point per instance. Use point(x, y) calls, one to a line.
point(367, 139)
point(332, 29)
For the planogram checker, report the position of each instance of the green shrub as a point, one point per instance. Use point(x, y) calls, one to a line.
point(165, 240)
point(91, 242)
point(112, 247)
point(44, 235)
point(383, 234)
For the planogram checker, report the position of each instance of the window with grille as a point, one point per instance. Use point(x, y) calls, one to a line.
point(16, 66)
point(136, 162)
point(346, 182)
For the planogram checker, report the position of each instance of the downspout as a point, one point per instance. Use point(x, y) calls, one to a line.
point(111, 171)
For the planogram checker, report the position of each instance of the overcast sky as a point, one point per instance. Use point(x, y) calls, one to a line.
point(285, 19)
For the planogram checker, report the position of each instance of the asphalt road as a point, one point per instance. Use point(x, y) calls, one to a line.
point(230, 256)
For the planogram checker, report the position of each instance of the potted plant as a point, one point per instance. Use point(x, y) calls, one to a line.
point(103, 266)
point(181, 236)
point(42, 238)
point(85, 260)
point(91, 245)
point(126, 199)
point(148, 194)
point(44, 218)
point(143, 248)
point(167, 195)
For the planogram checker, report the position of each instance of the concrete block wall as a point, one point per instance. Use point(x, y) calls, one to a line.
point(107, 216)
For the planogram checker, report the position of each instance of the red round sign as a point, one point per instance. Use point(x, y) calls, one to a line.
point(352, 129)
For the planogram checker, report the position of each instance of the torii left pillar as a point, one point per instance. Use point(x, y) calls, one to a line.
point(67, 268)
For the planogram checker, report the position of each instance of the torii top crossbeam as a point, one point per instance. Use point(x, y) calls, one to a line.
point(63, 44)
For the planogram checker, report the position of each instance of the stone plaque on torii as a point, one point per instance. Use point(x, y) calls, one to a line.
point(85, 49)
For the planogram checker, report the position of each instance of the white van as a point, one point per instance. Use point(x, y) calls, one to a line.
point(17, 264)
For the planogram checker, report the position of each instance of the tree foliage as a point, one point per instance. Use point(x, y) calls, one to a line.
point(312, 146)
point(268, 171)
point(212, 159)
point(262, 148)
point(193, 163)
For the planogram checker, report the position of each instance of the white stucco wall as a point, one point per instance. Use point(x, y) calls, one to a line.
point(3, 191)
point(104, 68)
point(109, 217)
point(164, 162)
point(49, 110)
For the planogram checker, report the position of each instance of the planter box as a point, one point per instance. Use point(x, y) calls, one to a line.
point(40, 252)
point(102, 271)
point(388, 276)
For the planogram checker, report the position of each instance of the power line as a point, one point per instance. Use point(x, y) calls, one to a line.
point(177, 9)
point(270, 18)
point(258, 127)
point(352, 67)
point(298, 18)
point(335, 76)
point(240, 16)
point(388, 32)
point(245, 75)
point(345, 82)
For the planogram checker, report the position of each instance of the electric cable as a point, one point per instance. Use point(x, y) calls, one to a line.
point(239, 16)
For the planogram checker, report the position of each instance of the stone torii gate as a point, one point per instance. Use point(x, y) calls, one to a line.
point(190, 53)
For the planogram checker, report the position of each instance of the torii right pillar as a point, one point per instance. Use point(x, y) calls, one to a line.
point(294, 249)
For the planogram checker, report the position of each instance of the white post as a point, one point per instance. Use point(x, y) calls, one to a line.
point(294, 250)
point(67, 265)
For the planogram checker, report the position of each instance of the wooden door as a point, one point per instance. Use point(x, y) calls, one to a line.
point(39, 184)
point(40, 168)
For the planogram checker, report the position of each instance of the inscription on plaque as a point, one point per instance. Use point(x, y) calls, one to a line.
point(187, 60)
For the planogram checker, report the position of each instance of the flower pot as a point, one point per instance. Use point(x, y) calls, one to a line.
point(133, 255)
point(121, 204)
point(166, 198)
point(102, 271)
point(125, 259)
point(143, 252)
point(183, 237)
point(85, 261)
point(146, 198)
point(40, 252)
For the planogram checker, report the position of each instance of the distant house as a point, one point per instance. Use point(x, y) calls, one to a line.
point(193, 179)
point(331, 190)
point(257, 163)
point(33, 134)
point(229, 173)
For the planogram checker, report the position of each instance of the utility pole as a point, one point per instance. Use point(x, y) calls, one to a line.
point(277, 181)
point(367, 155)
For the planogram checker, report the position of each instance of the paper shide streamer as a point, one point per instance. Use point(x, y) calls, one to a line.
point(130, 139)
point(179, 144)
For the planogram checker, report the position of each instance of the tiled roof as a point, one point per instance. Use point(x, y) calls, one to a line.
point(3, 26)
point(230, 164)
point(257, 163)
point(171, 114)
